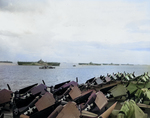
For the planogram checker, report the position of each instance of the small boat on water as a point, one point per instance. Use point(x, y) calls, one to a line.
point(46, 67)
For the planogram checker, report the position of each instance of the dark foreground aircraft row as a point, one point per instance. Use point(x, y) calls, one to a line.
point(118, 95)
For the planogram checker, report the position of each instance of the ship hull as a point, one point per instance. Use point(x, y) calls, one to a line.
point(39, 64)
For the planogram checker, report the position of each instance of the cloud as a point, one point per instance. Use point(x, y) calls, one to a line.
point(21, 5)
point(71, 30)
point(139, 26)
point(8, 33)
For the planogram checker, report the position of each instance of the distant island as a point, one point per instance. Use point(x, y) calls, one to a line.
point(110, 64)
point(97, 64)
point(39, 63)
point(6, 62)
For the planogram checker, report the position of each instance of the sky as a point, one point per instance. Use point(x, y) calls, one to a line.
point(98, 31)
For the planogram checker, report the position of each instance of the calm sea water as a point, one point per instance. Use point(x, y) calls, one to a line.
point(21, 76)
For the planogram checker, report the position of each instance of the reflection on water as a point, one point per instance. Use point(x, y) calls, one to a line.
point(21, 76)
